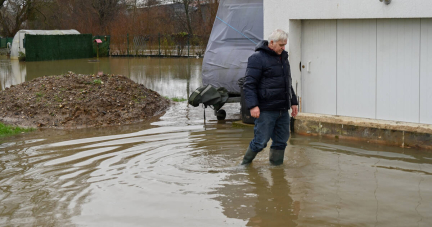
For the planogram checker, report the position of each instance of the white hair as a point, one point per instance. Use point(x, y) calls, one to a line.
point(278, 35)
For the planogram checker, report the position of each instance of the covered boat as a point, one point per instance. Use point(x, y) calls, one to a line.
point(237, 29)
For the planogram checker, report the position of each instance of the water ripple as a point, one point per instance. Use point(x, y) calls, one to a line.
point(178, 171)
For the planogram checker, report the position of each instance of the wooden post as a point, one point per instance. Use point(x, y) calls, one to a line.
point(127, 36)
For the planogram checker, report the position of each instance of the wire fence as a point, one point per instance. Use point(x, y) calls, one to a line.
point(175, 45)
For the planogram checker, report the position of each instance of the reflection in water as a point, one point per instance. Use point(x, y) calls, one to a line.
point(11, 73)
point(262, 196)
point(366, 184)
point(171, 77)
point(178, 171)
point(97, 177)
point(375, 192)
point(274, 206)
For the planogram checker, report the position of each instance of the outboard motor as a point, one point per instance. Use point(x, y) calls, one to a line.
point(210, 96)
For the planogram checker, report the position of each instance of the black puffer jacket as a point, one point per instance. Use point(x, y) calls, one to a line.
point(268, 82)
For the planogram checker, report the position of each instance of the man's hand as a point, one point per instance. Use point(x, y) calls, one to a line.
point(255, 112)
point(294, 110)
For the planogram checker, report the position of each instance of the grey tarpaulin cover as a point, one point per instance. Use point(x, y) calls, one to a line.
point(237, 29)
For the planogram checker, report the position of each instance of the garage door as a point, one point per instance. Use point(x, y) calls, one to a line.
point(319, 66)
point(368, 68)
point(426, 71)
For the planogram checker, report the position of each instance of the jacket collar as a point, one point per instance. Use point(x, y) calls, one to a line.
point(263, 46)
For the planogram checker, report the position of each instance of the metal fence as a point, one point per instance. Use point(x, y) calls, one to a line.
point(57, 47)
point(176, 45)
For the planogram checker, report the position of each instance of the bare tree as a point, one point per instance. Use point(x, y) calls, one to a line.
point(107, 11)
point(186, 4)
point(184, 16)
point(110, 17)
point(1, 3)
point(14, 14)
point(204, 15)
point(196, 16)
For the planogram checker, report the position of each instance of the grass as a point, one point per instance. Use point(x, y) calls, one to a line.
point(39, 96)
point(58, 99)
point(176, 99)
point(6, 130)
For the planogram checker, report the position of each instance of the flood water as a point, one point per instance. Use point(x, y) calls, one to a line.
point(177, 170)
point(171, 77)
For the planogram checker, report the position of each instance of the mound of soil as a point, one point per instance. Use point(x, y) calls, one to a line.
point(79, 101)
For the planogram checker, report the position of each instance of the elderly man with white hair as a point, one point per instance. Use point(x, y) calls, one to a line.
point(269, 95)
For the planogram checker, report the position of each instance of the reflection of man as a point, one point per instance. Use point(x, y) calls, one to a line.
point(274, 205)
point(269, 95)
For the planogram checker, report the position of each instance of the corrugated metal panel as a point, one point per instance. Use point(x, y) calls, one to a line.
point(426, 72)
point(356, 68)
point(319, 59)
point(398, 59)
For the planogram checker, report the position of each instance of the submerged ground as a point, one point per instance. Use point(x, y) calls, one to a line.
point(178, 170)
point(77, 101)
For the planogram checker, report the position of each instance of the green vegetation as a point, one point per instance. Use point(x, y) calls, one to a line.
point(97, 81)
point(176, 99)
point(39, 95)
point(58, 99)
point(21, 56)
point(6, 130)
point(139, 98)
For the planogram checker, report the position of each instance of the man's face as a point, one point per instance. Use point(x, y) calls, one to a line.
point(278, 46)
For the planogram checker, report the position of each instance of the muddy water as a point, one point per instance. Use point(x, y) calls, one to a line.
point(171, 77)
point(178, 171)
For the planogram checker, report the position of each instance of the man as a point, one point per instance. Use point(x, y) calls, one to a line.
point(269, 95)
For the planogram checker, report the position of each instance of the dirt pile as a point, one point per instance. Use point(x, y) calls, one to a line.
point(79, 101)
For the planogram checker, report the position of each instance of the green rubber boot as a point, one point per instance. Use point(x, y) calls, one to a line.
point(249, 156)
point(276, 157)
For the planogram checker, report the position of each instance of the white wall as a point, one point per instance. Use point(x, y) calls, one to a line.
point(277, 13)
point(295, 53)
point(319, 58)
point(356, 67)
point(426, 72)
point(398, 60)
point(344, 9)
point(288, 15)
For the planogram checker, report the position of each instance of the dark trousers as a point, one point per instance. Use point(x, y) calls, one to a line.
point(274, 125)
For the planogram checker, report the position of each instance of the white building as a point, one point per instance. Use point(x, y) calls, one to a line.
point(360, 58)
